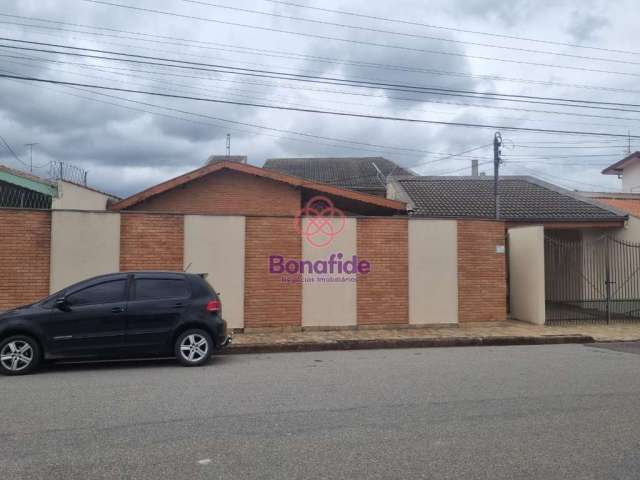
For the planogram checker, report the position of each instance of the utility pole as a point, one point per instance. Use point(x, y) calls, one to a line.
point(30, 145)
point(497, 143)
point(228, 144)
point(628, 141)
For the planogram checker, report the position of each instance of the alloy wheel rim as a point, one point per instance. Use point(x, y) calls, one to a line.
point(16, 355)
point(194, 347)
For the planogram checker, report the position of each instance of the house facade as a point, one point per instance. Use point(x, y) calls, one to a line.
point(255, 233)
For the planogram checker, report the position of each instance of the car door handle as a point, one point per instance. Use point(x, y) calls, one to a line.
point(117, 309)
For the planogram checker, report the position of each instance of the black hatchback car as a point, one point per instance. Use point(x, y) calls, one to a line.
point(132, 314)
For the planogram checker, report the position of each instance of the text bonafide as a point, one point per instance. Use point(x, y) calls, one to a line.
point(334, 264)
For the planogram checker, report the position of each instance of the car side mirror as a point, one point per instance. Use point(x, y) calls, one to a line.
point(62, 304)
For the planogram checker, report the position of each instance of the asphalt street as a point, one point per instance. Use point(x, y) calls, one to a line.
point(525, 412)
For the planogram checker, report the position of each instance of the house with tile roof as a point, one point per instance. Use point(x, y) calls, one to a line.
point(20, 189)
point(362, 174)
point(230, 187)
point(523, 200)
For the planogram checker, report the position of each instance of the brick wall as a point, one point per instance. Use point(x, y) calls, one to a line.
point(482, 286)
point(151, 242)
point(227, 193)
point(268, 301)
point(630, 205)
point(25, 246)
point(383, 294)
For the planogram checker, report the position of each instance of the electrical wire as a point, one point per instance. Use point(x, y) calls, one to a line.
point(318, 111)
point(225, 69)
point(343, 92)
point(357, 42)
point(440, 27)
point(403, 34)
point(288, 54)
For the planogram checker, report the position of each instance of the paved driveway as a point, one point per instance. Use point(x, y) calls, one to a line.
point(544, 412)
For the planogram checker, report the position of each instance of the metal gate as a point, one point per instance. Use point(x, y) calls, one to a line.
point(594, 281)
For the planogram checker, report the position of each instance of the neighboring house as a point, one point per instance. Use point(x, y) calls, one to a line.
point(524, 200)
point(23, 190)
point(627, 202)
point(362, 174)
point(628, 169)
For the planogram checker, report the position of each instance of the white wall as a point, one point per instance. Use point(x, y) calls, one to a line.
point(75, 197)
point(526, 274)
point(83, 245)
point(631, 178)
point(631, 231)
point(433, 271)
point(215, 245)
point(330, 304)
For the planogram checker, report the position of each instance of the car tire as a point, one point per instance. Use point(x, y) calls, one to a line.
point(19, 355)
point(193, 347)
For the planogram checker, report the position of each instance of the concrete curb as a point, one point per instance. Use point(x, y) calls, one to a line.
point(363, 344)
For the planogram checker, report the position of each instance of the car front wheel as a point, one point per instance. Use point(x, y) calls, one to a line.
point(19, 355)
point(193, 347)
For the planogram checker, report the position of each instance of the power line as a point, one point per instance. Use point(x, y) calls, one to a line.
point(13, 153)
point(554, 177)
point(380, 148)
point(403, 34)
point(576, 103)
point(317, 111)
point(91, 67)
point(358, 42)
point(440, 27)
point(331, 181)
point(289, 54)
point(342, 92)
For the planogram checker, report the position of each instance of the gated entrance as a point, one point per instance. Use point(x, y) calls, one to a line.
point(591, 281)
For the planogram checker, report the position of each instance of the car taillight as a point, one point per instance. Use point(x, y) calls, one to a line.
point(213, 306)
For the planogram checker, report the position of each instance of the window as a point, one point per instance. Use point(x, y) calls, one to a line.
point(157, 288)
point(107, 292)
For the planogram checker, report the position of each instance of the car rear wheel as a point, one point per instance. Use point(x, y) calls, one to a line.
point(194, 347)
point(19, 355)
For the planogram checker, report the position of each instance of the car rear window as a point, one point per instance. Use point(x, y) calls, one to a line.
point(156, 288)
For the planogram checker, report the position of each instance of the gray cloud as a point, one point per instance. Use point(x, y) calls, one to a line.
point(585, 26)
point(127, 149)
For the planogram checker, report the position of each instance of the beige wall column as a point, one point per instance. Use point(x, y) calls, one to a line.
point(330, 304)
point(83, 245)
point(433, 271)
point(76, 197)
point(526, 274)
point(215, 245)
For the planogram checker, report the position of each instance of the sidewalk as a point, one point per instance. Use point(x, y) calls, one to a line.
point(490, 333)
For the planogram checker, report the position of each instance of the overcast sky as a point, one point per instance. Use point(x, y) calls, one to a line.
point(128, 146)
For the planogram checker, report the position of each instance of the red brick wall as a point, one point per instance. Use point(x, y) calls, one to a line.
point(630, 205)
point(151, 242)
point(482, 284)
point(227, 193)
point(383, 293)
point(268, 301)
point(25, 247)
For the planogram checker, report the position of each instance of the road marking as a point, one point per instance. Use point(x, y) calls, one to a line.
point(205, 461)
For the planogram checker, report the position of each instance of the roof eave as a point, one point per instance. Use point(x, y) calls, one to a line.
point(261, 172)
point(44, 188)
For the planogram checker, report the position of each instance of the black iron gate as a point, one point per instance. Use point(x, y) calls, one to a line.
point(591, 281)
